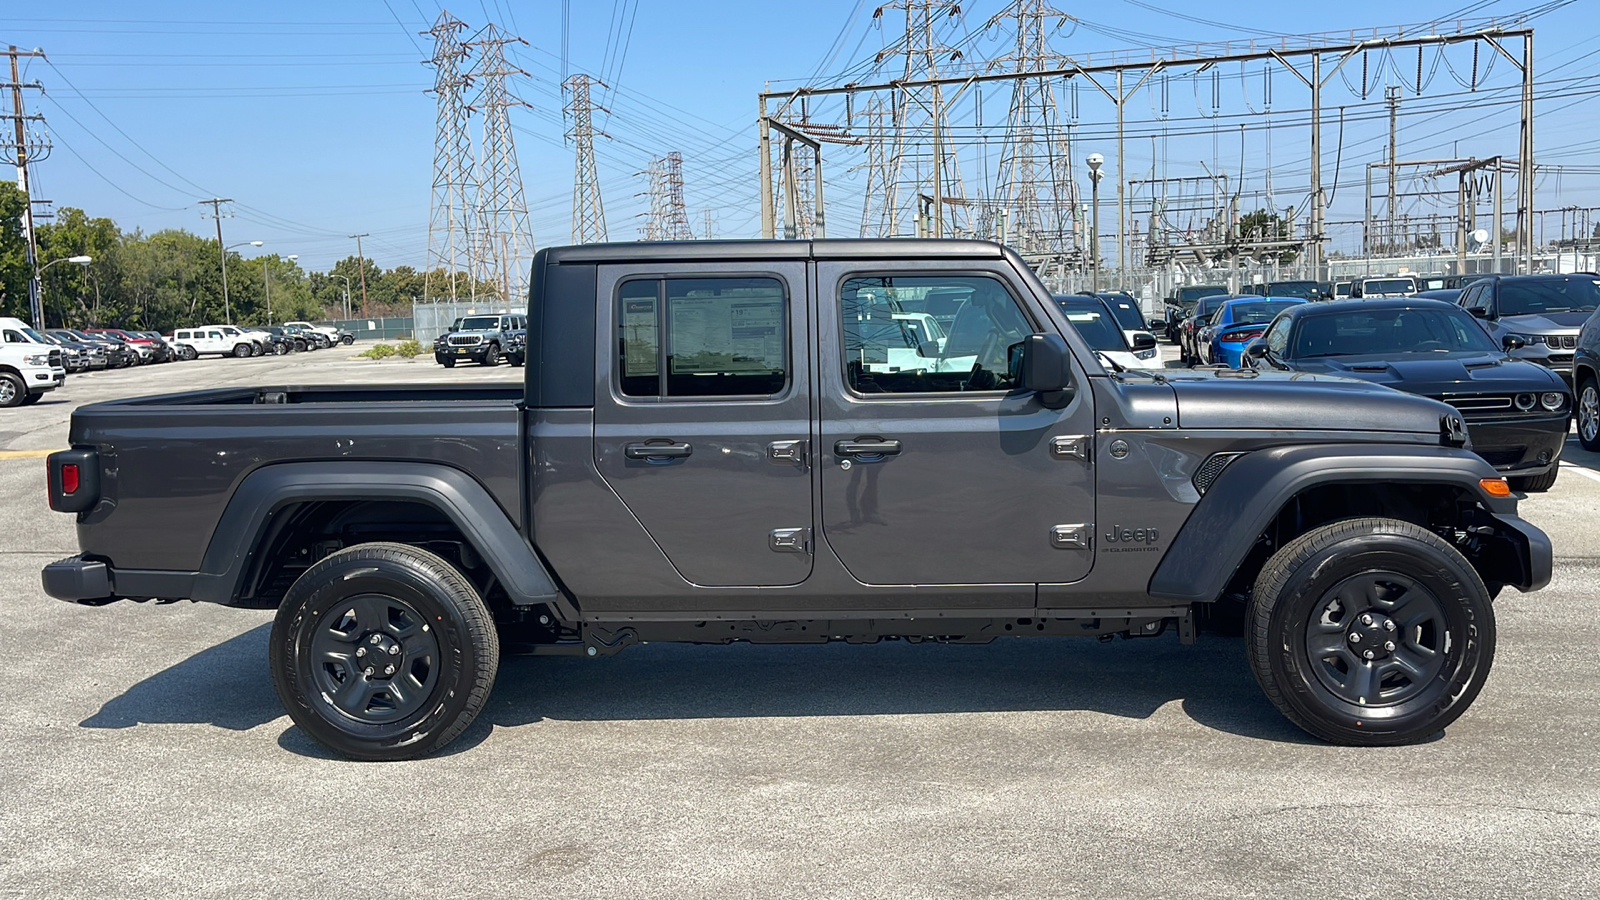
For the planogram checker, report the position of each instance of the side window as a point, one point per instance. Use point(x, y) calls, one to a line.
point(1278, 337)
point(886, 351)
point(702, 337)
point(180, 335)
point(214, 335)
point(14, 337)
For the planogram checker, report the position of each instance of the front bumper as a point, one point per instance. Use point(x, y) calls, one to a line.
point(1520, 445)
point(475, 352)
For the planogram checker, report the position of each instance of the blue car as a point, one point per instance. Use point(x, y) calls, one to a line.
point(1238, 322)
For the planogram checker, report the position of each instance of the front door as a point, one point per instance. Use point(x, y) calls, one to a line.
point(703, 422)
point(934, 470)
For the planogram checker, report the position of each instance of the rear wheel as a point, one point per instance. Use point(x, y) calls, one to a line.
point(242, 351)
point(347, 340)
point(1534, 484)
point(13, 390)
point(1370, 632)
point(1589, 413)
point(383, 651)
point(281, 349)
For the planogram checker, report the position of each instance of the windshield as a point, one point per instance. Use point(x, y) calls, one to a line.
point(1097, 329)
point(1388, 286)
point(36, 337)
point(1548, 295)
point(1187, 295)
point(1127, 313)
point(1391, 331)
point(1254, 313)
point(480, 323)
point(1304, 289)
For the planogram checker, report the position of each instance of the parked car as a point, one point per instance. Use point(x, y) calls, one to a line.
point(285, 338)
point(701, 454)
point(1198, 318)
point(212, 340)
point(1094, 321)
point(1516, 412)
point(1237, 323)
point(1387, 286)
point(480, 339)
point(119, 354)
point(1448, 295)
point(1535, 317)
point(1181, 304)
point(1302, 290)
point(30, 365)
point(1586, 383)
point(1130, 318)
point(334, 335)
point(1341, 289)
point(1458, 282)
point(314, 339)
point(76, 356)
point(259, 341)
point(148, 351)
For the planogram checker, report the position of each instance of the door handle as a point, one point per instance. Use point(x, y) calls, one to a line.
point(655, 450)
point(871, 447)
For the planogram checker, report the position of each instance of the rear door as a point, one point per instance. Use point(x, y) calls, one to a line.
point(933, 470)
point(702, 415)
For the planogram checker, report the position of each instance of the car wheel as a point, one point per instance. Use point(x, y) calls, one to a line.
point(31, 399)
point(449, 362)
point(190, 354)
point(1535, 484)
point(12, 389)
point(1370, 632)
point(281, 349)
point(256, 350)
point(1589, 414)
point(516, 359)
point(491, 356)
point(383, 651)
point(242, 351)
point(347, 340)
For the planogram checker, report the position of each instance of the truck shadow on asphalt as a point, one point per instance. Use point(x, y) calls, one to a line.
point(228, 685)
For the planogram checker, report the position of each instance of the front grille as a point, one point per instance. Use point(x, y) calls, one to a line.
point(465, 340)
point(1561, 362)
point(1562, 341)
point(1478, 403)
point(55, 359)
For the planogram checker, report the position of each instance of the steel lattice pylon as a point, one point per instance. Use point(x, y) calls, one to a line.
point(924, 194)
point(1037, 198)
point(588, 213)
point(668, 219)
point(504, 239)
point(455, 185)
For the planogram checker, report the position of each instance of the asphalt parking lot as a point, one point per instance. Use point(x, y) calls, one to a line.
point(145, 755)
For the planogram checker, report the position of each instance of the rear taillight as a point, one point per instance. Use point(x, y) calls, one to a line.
point(74, 480)
point(1242, 337)
point(69, 478)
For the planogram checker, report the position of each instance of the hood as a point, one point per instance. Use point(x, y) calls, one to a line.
point(1433, 374)
point(1299, 401)
point(1546, 323)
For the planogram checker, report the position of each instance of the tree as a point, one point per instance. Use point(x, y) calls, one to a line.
point(1266, 225)
point(13, 253)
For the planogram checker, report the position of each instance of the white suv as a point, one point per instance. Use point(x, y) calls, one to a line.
point(195, 342)
point(30, 366)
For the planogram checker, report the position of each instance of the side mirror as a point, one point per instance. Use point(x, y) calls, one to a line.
point(1256, 349)
point(928, 349)
point(1513, 342)
point(1042, 364)
point(1143, 340)
point(1157, 324)
point(1478, 312)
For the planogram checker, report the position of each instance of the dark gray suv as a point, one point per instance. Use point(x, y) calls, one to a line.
point(1535, 317)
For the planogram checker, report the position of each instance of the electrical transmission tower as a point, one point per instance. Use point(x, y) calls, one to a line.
point(588, 213)
point(1035, 197)
point(29, 145)
point(451, 265)
point(504, 236)
point(877, 164)
point(925, 194)
point(668, 219)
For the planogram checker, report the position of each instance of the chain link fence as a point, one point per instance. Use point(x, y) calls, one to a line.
point(429, 320)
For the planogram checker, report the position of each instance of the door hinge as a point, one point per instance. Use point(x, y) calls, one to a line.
point(788, 451)
point(790, 540)
point(1070, 446)
point(1071, 537)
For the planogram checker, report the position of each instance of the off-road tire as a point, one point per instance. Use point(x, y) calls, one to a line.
point(13, 390)
point(1350, 569)
point(491, 356)
point(371, 597)
point(242, 351)
point(281, 349)
point(1588, 413)
point(517, 359)
point(33, 398)
point(449, 362)
point(1536, 484)
point(347, 340)
point(189, 354)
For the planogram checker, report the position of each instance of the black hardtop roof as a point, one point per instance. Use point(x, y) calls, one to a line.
point(1301, 310)
point(1542, 276)
point(702, 251)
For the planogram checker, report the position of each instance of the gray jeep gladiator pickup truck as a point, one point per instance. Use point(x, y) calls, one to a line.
point(762, 441)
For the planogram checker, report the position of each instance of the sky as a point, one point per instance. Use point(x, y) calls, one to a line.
point(315, 117)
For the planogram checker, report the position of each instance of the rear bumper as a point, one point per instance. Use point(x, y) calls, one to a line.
point(93, 582)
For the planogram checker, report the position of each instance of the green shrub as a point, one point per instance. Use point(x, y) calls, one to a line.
point(378, 351)
point(408, 349)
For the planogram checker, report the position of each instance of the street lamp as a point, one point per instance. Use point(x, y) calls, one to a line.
point(76, 260)
point(346, 293)
point(1095, 161)
point(227, 311)
point(266, 284)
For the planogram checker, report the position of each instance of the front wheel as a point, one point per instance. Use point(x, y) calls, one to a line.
point(383, 651)
point(189, 354)
point(13, 390)
point(281, 349)
point(1370, 632)
point(449, 362)
point(347, 340)
point(1589, 414)
point(491, 356)
point(241, 351)
point(32, 398)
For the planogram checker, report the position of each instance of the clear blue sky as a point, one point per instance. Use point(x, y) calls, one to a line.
point(313, 116)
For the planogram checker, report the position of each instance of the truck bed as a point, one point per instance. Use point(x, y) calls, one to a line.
point(177, 459)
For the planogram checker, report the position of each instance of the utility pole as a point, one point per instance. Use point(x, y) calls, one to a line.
point(1391, 95)
point(363, 263)
point(216, 213)
point(28, 147)
point(588, 213)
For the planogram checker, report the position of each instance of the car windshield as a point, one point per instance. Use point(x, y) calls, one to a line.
point(1187, 295)
point(1256, 313)
point(1303, 289)
point(1548, 295)
point(480, 323)
point(35, 336)
point(1126, 313)
point(1389, 286)
point(1389, 331)
point(1097, 329)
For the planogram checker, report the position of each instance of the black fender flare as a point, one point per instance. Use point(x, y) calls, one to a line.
point(1238, 506)
point(236, 539)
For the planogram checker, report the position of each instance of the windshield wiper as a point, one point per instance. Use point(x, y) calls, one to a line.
point(1115, 366)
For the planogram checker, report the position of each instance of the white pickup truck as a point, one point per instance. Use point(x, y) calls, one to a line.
point(30, 366)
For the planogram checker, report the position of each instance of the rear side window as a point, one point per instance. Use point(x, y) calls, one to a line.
point(702, 337)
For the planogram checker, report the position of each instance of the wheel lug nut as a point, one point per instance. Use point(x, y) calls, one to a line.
point(1389, 625)
point(1388, 645)
point(394, 649)
point(376, 639)
point(1355, 638)
point(1368, 654)
point(361, 651)
point(1366, 620)
point(388, 670)
point(369, 670)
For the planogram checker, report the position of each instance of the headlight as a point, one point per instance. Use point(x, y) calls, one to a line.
point(1553, 401)
point(1529, 339)
point(41, 359)
point(1525, 401)
point(1145, 354)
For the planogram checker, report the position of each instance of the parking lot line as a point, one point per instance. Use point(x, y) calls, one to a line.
point(1581, 470)
point(25, 454)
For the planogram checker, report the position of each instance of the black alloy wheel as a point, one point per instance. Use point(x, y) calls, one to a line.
point(1589, 414)
point(347, 340)
point(449, 362)
point(491, 356)
point(189, 353)
point(383, 651)
point(1370, 632)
